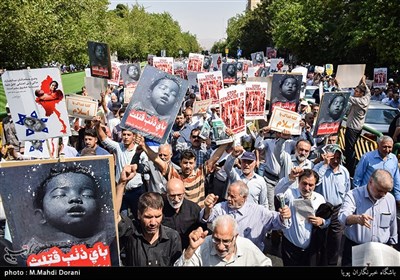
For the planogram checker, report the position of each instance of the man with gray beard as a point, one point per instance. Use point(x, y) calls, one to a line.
point(179, 213)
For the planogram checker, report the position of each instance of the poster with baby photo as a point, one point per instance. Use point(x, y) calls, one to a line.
point(154, 106)
point(37, 103)
point(331, 113)
point(61, 213)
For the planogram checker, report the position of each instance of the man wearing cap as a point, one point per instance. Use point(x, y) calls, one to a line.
point(256, 183)
point(333, 184)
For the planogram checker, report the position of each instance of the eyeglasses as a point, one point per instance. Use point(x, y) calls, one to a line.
point(224, 242)
point(195, 136)
point(180, 196)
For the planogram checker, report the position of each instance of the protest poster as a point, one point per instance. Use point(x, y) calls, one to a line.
point(216, 61)
point(154, 106)
point(349, 75)
point(331, 113)
point(200, 107)
point(95, 86)
point(41, 149)
point(195, 63)
point(282, 119)
point(256, 94)
point(209, 84)
point(219, 132)
point(380, 78)
point(81, 106)
point(37, 103)
point(165, 64)
point(232, 108)
point(99, 60)
point(257, 59)
point(130, 74)
point(61, 213)
point(276, 65)
point(285, 91)
point(229, 73)
point(115, 74)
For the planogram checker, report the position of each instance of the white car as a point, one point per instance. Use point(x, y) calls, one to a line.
point(379, 116)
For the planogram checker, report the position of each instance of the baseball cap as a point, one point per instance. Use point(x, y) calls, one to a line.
point(248, 156)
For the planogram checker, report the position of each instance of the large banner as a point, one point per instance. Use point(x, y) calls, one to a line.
point(61, 213)
point(99, 59)
point(153, 108)
point(331, 113)
point(37, 103)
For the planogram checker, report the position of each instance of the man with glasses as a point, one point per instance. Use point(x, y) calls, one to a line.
point(179, 213)
point(223, 248)
point(198, 145)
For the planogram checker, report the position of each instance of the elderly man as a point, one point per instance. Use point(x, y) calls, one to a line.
point(254, 220)
point(382, 158)
point(369, 214)
point(256, 183)
point(179, 213)
point(223, 248)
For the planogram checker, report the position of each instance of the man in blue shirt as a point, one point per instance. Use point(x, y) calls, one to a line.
point(382, 158)
point(369, 214)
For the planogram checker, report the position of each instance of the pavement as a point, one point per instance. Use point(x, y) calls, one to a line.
point(273, 251)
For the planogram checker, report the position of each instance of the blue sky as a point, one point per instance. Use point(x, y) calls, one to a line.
point(207, 19)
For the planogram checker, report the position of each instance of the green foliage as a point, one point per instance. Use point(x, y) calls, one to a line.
point(36, 33)
point(73, 82)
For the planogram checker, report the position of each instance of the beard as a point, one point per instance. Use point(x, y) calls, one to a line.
point(301, 158)
point(175, 205)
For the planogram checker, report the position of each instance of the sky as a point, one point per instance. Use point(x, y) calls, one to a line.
point(207, 19)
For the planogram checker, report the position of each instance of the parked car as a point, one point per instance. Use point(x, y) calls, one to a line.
point(379, 116)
